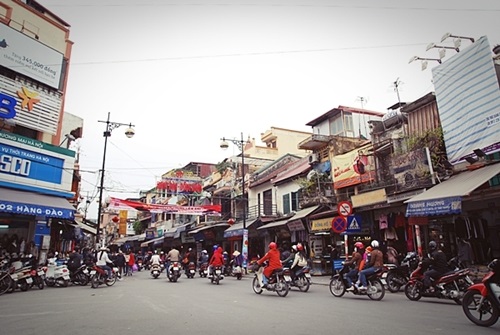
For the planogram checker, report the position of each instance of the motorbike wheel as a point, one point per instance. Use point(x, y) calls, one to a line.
point(174, 278)
point(282, 287)
point(39, 283)
point(413, 291)
point(303, 284)
point(50, 282)
point(217, 280)
point(393, 282)
point(111, 281)
point(23, 286)
point(379, 295)
point(5, 284)
point(238, 276)
point(485, 314)
point(64, 283)
point(256, 286)
point(94, 281)
point(337, 287)
point(82, 279)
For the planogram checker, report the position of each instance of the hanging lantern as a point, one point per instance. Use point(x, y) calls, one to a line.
point(230, 221)
point(115, 219)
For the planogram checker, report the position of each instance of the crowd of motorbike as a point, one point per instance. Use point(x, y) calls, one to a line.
point(480, 301)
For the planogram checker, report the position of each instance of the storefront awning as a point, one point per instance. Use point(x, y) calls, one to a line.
point(28, 203)
point(303, 213)
point(237, 228)
point(274, 224)
point(222, 224)
point(445, 198)
point(86, 227)
point(158, 240)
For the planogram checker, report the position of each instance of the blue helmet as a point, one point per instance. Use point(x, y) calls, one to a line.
point(215, 247)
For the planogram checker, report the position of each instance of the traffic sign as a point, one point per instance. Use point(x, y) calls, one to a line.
point(339, 224)
point(354, 223)
point(344, 208)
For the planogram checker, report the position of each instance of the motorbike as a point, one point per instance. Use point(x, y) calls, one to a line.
point(191, 270)
point(237, 271)
point(155, 270)
point(80, 276)
point(451, 285)
point(174, 271)
point(398, 276)
point(139, 265)
point(99, 276)
point(216, 276)
point(276, 283)
point(38, 277)
point(203, 270)
point(20, 273)
point(481, 302)
point(56, 275)
point(301, 279)
point(375, 291)
point(6, 281)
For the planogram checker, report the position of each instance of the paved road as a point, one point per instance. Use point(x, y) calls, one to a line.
point(142, 305)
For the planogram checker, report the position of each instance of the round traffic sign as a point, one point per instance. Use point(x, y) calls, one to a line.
point(339, 224)
point(344, 208)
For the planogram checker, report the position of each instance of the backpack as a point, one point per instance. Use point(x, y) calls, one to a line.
point(302, 261)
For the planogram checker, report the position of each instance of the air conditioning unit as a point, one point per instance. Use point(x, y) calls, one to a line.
point(313, 158)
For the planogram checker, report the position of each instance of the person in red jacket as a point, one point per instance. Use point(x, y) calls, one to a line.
point(217, 259)
point(274, 258)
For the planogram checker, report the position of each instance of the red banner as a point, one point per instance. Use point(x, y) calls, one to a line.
point(172, 209)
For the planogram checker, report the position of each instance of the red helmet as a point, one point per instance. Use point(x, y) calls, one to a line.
point(299, 247)
point(359, 245)
point(272, 245)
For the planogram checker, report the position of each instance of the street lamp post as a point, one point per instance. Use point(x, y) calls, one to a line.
point(129, 132)
point(241, 145)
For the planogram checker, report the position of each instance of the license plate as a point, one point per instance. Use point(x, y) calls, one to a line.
point(288, 278)
point(217, 272)
point(308, 275)
point(41, 273)
point(92, 272)
point(29, 280)
point(175, 268)
point(66, 277)
point(85, 271)
point(115, 269)
point(155, 272)
point(384, 282)
point(192, 271)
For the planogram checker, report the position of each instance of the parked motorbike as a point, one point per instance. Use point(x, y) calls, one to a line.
point(155, 270)
point(301, 279)
point(38, 277)
point(174, 271)
point(398, 276)
point(451, 285)
point(481, 302)
point(276, 283)
point(20, 272)
point(80, 276)
point(216, 276)
point(375, 291)
point(99, 276)
point(203, 270)
point(56, 275)
point(6, 281)
point(191, 270)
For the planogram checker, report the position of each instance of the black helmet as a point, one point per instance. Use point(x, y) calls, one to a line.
point(432, 245)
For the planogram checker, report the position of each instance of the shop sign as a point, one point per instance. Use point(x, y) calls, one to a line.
point(441, 206)
point(320, 225)
point(37, 210)
point(403, 196)
point(150, 233)
point(295, 225)
point(187, 239)
point(369, 198)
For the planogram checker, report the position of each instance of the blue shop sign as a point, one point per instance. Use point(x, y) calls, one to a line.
point(442, 206)
point(38, 210)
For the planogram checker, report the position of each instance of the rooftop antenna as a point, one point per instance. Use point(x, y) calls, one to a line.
point(396, 84)
point(362, 100)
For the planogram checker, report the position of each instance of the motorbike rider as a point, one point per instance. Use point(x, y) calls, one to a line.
point(217, 259)
point(155, 259)
point(375, 263)
point(103, 260)
point(438, 265)
point(355, 262)
point(273, 256)
point(74, 260)
point(203, 257)
point(291, 256)
point(299, 261)
point(173, 256)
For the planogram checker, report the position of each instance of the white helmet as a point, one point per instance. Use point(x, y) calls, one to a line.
point(204, 251)
point(374, 244)
point(294, 247)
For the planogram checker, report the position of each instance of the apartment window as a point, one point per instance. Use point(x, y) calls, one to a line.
point(295, 201)
point(286, 203)
point(268, 202)
point(336, 127)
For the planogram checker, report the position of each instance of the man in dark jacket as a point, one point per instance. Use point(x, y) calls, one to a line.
point(438, 264)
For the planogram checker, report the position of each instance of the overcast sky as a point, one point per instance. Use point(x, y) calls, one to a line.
point(187, 73)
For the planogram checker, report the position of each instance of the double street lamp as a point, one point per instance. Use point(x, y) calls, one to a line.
point(129, 132)
point(241, 145)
